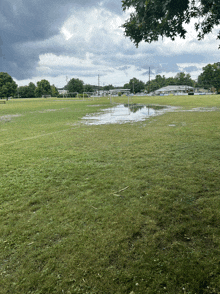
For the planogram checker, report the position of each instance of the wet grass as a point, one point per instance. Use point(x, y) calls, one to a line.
point(186, 102)
point(130, 208)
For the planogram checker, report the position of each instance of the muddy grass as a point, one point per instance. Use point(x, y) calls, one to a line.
point(8, 118)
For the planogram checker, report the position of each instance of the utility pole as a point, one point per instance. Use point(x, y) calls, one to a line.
point(98, 85)
point(149, 80)
point(66, 84)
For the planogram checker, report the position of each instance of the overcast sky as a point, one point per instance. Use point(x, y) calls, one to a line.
point(63, 39)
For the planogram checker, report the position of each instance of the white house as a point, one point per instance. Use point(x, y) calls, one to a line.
point(63, 92)
point(175, 90)
point(116, 91)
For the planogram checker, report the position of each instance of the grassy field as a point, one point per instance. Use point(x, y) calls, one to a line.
point(123, 208)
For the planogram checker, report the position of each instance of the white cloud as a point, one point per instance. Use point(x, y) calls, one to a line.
point(91, 42)
point(66, 33)
point(53, 60)
point(184, 65)
point(97, 26)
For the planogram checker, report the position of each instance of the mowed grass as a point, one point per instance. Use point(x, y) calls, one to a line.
point(125, 208)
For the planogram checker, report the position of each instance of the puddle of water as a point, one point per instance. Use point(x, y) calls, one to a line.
point(125, 113)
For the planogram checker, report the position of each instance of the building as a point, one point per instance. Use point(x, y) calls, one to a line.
point(116, 91)
point(62, 91)
point(174, 90)
point(202, 91)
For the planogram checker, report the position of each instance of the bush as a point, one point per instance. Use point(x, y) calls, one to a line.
point(81, 95)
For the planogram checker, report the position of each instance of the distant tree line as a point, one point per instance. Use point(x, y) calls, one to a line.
point(43, 88)
point(77, 85)
point(158, 82)
point(208, 79)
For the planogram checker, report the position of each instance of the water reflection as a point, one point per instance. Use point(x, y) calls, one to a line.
point(124, 113)
point(136, 107)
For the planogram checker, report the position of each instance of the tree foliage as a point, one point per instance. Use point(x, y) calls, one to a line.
point(108, 87)
point(154, 18)
point(23, 92)
point(161, 81)
point(43, 88)
point(8, 86)
point(31, 90)
point(184, 79)
point(54, 91)
point(135, 85)
point(88, 88)
point(75, 85)
point(157, 83)
point(27, 91)
point(210, 77)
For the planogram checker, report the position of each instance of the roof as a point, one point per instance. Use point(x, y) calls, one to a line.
point(119, 90)
point(61, 91)
point(174, 88)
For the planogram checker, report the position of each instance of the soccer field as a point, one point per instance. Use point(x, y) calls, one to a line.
point(114, 208)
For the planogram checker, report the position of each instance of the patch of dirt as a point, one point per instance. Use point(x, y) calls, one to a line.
point(8, 117)
point(97, 105)
point(201, 109)
point(49, 110)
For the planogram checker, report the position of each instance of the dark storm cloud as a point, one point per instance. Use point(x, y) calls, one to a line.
point(28, 22)
point(1, 43)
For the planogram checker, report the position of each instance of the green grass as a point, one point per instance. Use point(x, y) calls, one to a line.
point(131, 208)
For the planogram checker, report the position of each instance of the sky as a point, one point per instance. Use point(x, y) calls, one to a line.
point(58, 40)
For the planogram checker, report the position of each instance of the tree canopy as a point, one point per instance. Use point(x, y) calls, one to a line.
point(43, 88)
point(54, 91)
point(210, 77)
point(108, 87)
point(75, 85)
point(166, 18)
point(88, 88)
point(135, 85)
point(161, 81)
point(27, 91)
point(8, 86)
